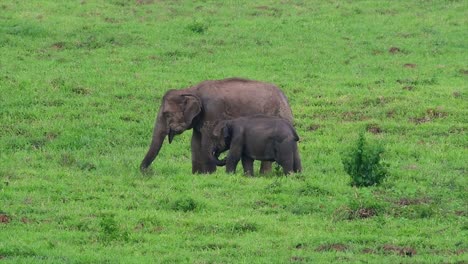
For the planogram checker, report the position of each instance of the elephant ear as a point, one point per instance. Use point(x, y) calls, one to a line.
point(192, 107)
point(217, 130)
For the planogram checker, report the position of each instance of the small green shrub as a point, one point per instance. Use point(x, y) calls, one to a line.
point(110, 230)
point(303, 207)
point(242, 226)
point(198, 27)
point(185, 204)
point(362, 163)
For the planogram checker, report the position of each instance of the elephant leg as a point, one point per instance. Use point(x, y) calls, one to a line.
point(247, 163)
point(208, 164)
point(233, 158)
point(265, 167)
point(197, 165)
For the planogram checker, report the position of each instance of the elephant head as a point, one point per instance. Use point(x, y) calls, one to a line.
point(221, 140)
point(177, 113)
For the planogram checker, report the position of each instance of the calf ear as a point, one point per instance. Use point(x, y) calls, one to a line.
point(218, 128)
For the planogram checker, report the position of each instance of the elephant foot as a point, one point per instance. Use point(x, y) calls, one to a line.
point(204, 170)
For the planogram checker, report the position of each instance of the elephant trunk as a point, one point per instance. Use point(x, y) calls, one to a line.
point(220, 162)
point(216, 160)
point(159, 133)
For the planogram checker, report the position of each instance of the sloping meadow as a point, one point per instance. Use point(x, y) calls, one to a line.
point(81, 83)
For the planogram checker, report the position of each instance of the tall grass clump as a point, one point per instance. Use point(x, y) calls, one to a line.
point(362, 162)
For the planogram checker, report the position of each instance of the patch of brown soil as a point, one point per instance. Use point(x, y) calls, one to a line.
point(463, 71)
point(353, 116)
point(435, 113)
point(313, 127)
point(402, 251)
point(332, 247)
point(365, 212)
point(408, 88)
point(410, 65)
point(26, 220)
point(377, 52)
point(460, 213)
point(368, 251)
point(394, 50)
point(300, 246)
point(139, 227)
point(374, 129)
point(296, 259)
point(420, 120)
point(157, 229)
point(391, 113)
point(4, 219)
point(412, 167)
point(58, 45)
point(413, 201)
point(431, 114)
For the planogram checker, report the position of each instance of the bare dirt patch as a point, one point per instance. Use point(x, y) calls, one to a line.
point(353, 116)
point(332, 247)
point(394, 50)
point(139, 227)
point(408, 88)
point(26, 220)
point(365, 213)
point(402, 251)
point(296, 259)
point(430, 115)
point(4, 219)
point(412, 167)
point(377, 52)
point(368, 251)
point(391, 113)
point(410, 65)
point(157, 229)
point(313, 127)
point(58, 45)
point(374, 129)
point(460, 213)
point(346, 213)
point(413, 201)
point(456, 94)
point(463, 71)
point(299, 246)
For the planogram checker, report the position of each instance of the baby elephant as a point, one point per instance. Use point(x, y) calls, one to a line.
point(256, 138)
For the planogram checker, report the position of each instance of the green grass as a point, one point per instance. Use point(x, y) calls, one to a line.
point(81, 81)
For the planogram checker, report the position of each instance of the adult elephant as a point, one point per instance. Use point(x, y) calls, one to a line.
point(201, 106)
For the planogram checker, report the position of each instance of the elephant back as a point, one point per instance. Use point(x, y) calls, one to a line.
point(236, 97)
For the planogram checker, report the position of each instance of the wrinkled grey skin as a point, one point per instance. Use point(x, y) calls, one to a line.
point(200, 106)
point(257, 138)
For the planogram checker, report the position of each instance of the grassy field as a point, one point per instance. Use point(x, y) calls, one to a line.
point(81, 82)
